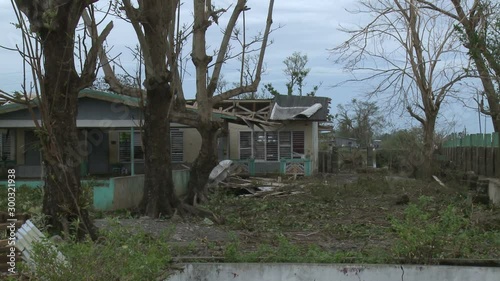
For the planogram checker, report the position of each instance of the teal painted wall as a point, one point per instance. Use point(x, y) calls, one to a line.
point(103, 196)
point(119, 192)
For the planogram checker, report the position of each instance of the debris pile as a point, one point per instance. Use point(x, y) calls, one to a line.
point(226, 175)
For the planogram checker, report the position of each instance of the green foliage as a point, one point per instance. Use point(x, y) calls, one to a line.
point(296, 72)
point(269, 87)
point(121, 254)
point(402, 150)
point(360, 120)
point(28, 200)
point(427, 232)
point(286, 251)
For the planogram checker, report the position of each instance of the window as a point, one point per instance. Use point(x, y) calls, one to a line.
point(285, 144)
point(259, 145)
point(298, 144)
point(245, 145)
point(272, 146)
point(6, 145)
point(124, 148)
point(176, 146)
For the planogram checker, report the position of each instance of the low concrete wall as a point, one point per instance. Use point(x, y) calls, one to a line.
point(494, 191)
point(127, 191)
point(181, 180)
point(103, 196)
point(338, 272)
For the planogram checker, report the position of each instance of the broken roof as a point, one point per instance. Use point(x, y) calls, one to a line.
point(300, 108)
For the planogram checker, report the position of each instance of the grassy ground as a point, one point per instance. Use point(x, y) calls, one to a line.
point(342, 218)
point(369, 218)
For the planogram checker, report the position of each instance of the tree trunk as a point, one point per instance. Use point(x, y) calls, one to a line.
point(427, 164)
point(159, 196)
point(203, 165)
point(63, 202)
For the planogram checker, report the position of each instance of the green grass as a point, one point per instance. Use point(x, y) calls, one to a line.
point(359, 221)
point(119, 254)
point(28, 200)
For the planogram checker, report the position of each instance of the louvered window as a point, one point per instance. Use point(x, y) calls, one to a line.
point(245, 145)
point(6, 145)
point(259, 145)
point(177, 145)
point(298, 144)
point(272, 146)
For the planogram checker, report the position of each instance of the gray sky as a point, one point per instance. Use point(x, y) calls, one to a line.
point(310, 27)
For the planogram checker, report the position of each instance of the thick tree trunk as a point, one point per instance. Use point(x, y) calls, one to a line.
point(63, 202)
point(159, 196)
point(203, 165)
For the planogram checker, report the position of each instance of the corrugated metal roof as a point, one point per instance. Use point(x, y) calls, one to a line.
point(99, 95)
point(300, 108)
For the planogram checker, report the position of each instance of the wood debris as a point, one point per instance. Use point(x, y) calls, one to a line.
point(256, 187)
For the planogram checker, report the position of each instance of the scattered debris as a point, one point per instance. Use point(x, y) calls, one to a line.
point(438, 181)
point(29, 234)
point(220, 172)
point(207, 221)
point(249, 187)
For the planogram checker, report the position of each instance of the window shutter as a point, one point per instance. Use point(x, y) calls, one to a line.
point(285, 144)
point(245, 145)
point(177, 145)
point(272, 146)
point(259, 145)
point(298, 144)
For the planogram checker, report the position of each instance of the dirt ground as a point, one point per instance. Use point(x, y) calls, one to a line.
point(343, 212)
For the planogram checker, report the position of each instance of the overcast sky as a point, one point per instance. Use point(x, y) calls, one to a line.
point(309, 27)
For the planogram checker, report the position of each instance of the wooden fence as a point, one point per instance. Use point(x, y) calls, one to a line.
point(477, 152)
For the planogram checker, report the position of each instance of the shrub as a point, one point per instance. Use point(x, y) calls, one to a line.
point(121, 254)
point(426, 234)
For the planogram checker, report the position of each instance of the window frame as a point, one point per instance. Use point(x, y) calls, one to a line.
point(255, 136)
point(137, 135)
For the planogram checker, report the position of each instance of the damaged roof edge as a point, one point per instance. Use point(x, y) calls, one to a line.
point(309, 111)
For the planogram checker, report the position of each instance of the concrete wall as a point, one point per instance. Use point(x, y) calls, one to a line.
point(103, 196)
point(329, 272)
point(126, 192)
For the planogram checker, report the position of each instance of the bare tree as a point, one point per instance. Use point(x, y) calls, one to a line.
point(409, 53)
point(478, 24)
point(49, 49)
point(161, 44)
point(206, 88)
